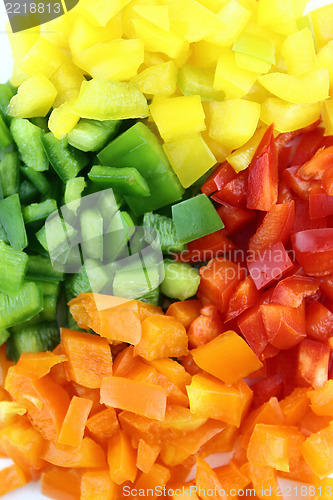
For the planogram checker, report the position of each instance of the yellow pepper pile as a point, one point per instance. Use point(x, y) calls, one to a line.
point(215, 71)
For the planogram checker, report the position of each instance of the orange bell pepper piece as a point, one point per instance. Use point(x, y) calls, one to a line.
point(103, 424)
point(264, 481)
point(124, 362)
point(174, 371)
point(139, 397)
point(295, 406)
point(139, 427)
point(224, 442)
point(89, 358)
point(206, 481)
point(273, 446)
point(232, 478)
point(228, 357)
point(147, 455)
point(74, 423)
point(121, 459)
point(210, 397)
point(150, 483)
point(39, 364)
point(24, 445)
point(111, 317)
point(58, 371)
point(174, 451)
point(322, 399)
point(206, 327)
point(11, 478)
point(162, 337)
point(61, 484)
point(96, 485)
point(317, 452)
point(312, 423)
point(268, 413)
point(74, 389)
point(89, 455)
point(144, 373)
point(184, 490)
point(185, 311)
point(146, 310)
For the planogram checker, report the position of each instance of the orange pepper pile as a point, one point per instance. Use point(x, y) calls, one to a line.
point(103, 419)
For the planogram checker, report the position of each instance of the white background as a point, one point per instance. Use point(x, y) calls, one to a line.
point(31, 491)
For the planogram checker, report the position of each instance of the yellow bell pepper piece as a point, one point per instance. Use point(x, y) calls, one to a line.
point(250, 63)
point(158, 40)
point(210, 398)
point(190, 158)
point(258, 93)
point(34, 97)
point(68, 76)
point(213, 5)
point(276, 14)
point(110, 100)
point(288, 117)
point(192, 20)
point(233, 122)
point(241, 158)
point(66, 95)
point(234, 81)
point(160, 79)
point(103, 11)
point(116, 60)
point(322, 24)
point(21, 42)
point(328, 116)
point(205, 54)
point(178, 117)
point(234, 17)
point(84, 35)
point(58, 30)
point(255, 46)
point(299, 52)
point(306, 89)
point(253, 28)
point(62, 120)
point(325, 59)
point(156, 14)
point(43, 57)
point(220, 152)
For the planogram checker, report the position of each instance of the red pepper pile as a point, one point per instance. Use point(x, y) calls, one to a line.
point(275, 287)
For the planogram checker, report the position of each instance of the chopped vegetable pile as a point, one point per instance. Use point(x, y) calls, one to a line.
point(166, 250)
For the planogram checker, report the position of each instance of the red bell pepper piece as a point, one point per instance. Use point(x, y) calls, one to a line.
point(267, 388)
point(206, 248)
point(275, 227)
point(319, 321)
point(285, 156)
point(245, 296)
point(234, 218)
point(285, 194)
point(302, 220)
point(223, 174)
point(218, 280)
point(206, 327)
point(317, 165)
point(252, 327)
point(313, 361)
point(292, 290)
point(263, 174)
point(320, 203)
point(296, 184)
point(285, 364)
point(285, 138)
point(269, 265)
point(309, 144)
point(326, 286)
point(285, 326)
point(327, 180)
point(235, 192)
point(314, 251)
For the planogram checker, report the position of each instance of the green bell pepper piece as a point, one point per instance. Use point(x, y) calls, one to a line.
point(125, 180)
point(138, 147)
point(6, 93)
point(40, 268)
point(194, 218)
point(22, 307)
point(92, 135)
point(37, 212)
point(37, 338)
point(181, 281)
point(12, 220)
point(5, 136)
point(37, 179)
point(166, 231)
point(10, 173)
point(66, 160)
point(28, 140)
point(13, 264)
